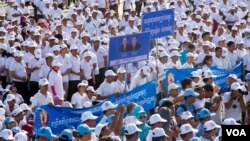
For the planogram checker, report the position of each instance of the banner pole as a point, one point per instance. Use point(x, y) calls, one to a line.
point(157, 69)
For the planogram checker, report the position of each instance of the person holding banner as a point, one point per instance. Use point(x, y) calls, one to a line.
point(78, 98)
point(120, 83)
point(140, 78)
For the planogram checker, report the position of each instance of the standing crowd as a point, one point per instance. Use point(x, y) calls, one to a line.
point(59, 57)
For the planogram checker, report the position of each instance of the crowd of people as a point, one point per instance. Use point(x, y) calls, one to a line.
point(59, 57)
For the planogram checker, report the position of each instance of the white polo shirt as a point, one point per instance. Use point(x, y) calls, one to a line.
point(87, 67)
point(233, 58)
point(65, 65)
point(106, 89)
point(19, 69)
point(56, 12)
point(2, 65)
point(121, 87)
point(100, 53)
point(102, 4)
point(9, 60)
point(137, 80)
point(77, 100)
point(246, 61)
point(44, 71)
point(75, 66)
point(33, 64)
point(40, 99)
point(56, 80)
point(187, 66)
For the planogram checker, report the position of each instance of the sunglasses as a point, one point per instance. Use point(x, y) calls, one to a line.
point(143, 117)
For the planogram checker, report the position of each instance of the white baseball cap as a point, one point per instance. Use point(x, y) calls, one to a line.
point(110, 73)
point(98, 128)
point(21, 136)
point(156, 118)
point(24, 106)
point(235, 86)
point(43, 82)
point(10, 97)
point(18, 53)
point(131, 129)
point(3, 46)
point(91, 88)
point(17, 111)
point(146, 70)
point(56, 63)
point(190, 55)
point(62, 46)
point(86, 54)
point(172, 86)
point(195, 74)
point(82, 84)
point(7, 134)
point(186, 128)
point(84, 34)
point(108, 105)
point(158, 132)
point(38, 53)
point(208, 74)
point(233, 76)
point(85, 82)
point(210, 125)
point(56, 48)
point(73, 47)
point(163, 54)
point(174, 53)
point(49, 55)
point(186, 115)
point(132, 120)
point(121, 70)
point(88, 115)
point(230, 121)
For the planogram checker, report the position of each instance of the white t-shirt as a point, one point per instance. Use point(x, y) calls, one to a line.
point(44, 71)
point(106, 89)
point(33, 64)
point(75, 66)
point(137, 80)
point(56, 80)
point(100, 54)
point(87, 67)
point(2, 65)
point(246, 61)
point(65, 65)
point(121, 86)
point(78, 100)
point(19, 69)
point(40, 99)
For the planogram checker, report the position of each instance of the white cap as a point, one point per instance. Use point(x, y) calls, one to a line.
point(84, 34)
point(98, 129)
point(96, 39)
point(3, 46)
point(210, 125)
point(87, 54)
point(132, 120)
point(131, 129)
point(239, 41)
point(18, 53)
point(21, 136)
point(55, 63)
point(158, 132)
point(126, 13)
point(51, 38)
point(32, 44)
point(230, 121)
point(190, 55)
point(91, 88)
point(233, 76)
point(110, 73)
point(121, 70)
point(174, 53)
point(49, 55)
point(195, 74)
point(17, 111)
point(108, 105)
point(43, 82)
point(88, 115)
point(62, 46)
point(156, 118)
point(10, 97)
point(56, 48)
point(208, 74)
point(82, 84)
point(186, 128)
point(131, 18)
point(163, 54)
point(172, 86)
point(73, 47)
point(186, 115)
point(235, 86)
point(12, 50)
point(24, 106)
point(38, 53)
point(7, 134)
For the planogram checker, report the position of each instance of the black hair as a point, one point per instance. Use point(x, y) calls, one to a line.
point(207, 57)
point(106, 138)
point(184, 135)
point(158, 138)
point(204, 34)
point(230, 43)
point(218, 48)
point(167, 103)
point(128, 137)
point(208, 88)
point(185, 82)
point(191, 46)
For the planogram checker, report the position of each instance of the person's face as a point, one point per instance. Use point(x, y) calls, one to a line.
point(158, 124)
point(142, 118)
point(49, 60)
point(18, 59)
point(218, 53)
point(11, 103)
point(131, 23)
point(90, 122)
point(209, 62)
point(74, 52)
point(190, 59)
point(235, 94)
point(56, 68)
point(230, 80)
point(81, 89)
point(90, 93)
point(191, 99)
point(20, 116)
point(110, 112)
point(97, 43)
point(189, 136)
point(232, 47)
point(175, 58)
point(122, 76)
point(201, 93)
point(105, 131)
point(174, 92)
point(11, 125)
point(44, 88)
point(13, 89)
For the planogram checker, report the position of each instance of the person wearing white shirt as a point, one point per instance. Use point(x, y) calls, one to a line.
point(87, 69)
point(3, 59)
point(246, 62)
point(234, 103)
point(108, 87)
point(175, 63)
point(231, 53)
point(45, 69)
point(19, 75)
point(231, 17)
point(74, 75)
point(140, 77)
point(73, 39)
point(24, 10)
point(11, 105)
point(127, 5)
point(56, 82)
point(43, 96)
point(56, 11)
point(220, 61)
point(120, 83)
point(101, 56)
point(202, 55)
point(65, 68)
point(190, 61)
point(78, 98)
point(131, 28)
point(34, 67)
point(84, 45)
point(240, 51)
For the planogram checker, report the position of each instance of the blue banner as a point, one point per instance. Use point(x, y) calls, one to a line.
point(220, 79)
point(59, 118)
point(129, 48)
point(159, 23)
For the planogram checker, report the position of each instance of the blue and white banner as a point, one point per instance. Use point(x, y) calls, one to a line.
point(59, 118)
point(129, 48)
point(159, 23)
point(220, 79)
